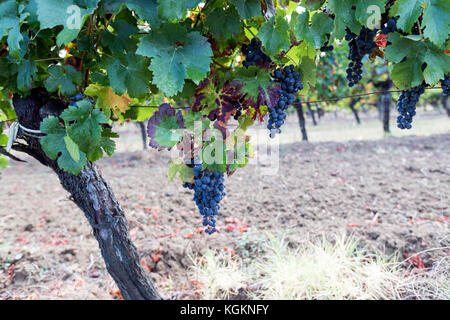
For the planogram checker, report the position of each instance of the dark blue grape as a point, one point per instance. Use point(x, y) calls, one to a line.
point(390, 26)
point(445, 84)
point(208, 192)
point(406, 106)
point(290, 83)
point(74, 99)
point(359, 46)
point(253, 54)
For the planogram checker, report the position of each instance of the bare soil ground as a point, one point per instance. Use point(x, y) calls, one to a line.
point(392, 194)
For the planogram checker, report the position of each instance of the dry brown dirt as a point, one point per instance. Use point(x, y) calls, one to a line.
point(392, 194)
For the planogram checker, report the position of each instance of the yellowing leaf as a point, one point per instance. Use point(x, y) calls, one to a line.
point(108, 99)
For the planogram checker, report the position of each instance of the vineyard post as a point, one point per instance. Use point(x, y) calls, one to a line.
point(92, 194)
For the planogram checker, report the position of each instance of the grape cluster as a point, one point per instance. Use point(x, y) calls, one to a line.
point(208, 191)
point(406, 106)
point(253, 54)
point(445, 84)
point(73, 100)
point(290, 84)
point(326, 46)
point(391, 26)
point(238, 107)
point(359, 46)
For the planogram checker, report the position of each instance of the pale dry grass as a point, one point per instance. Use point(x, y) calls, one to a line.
point(337, 269)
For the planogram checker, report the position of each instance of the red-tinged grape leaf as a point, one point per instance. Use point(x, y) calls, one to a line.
point(164, 127)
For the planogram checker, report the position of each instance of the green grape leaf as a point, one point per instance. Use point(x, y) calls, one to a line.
point(274, 34)
point(146, 10)
point(224, 24)
point(64, 78)
point(86, 130)
point(72, 148)
point(253, 79)
point(139, 114)
point(8, 16)
point(27, 71)
point(408, 73)
point(185, 173)
point(176, 56)
point(409, 11)
point(367, 11)
point(315, 35)
point(344, 17)
point(248, 8)
point(130, 74)
point(308, 72)
point(14, 40)
point(66, 13)
point(54, 146)
point(120, 40)
point(175, 9)
point(312, 4)
point(436, 21)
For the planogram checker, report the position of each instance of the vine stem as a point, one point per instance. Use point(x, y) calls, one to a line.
point(199, 14)
point(221, 65)
point(101, 33)
point(86, 75)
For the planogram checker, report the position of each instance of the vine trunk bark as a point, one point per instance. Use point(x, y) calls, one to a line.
point(301, 119)
point(444, 100)
point(92, 194)
point(352, 104)
point(311, 113)
point(143, 134)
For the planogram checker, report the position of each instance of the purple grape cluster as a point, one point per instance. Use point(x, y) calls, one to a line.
point(253, 54)
point(208, 192)
point(326, 46)
point(238, 107)
point(445, 84)
point(390, 26)
point(406, 106)
point(289, 80)
point(359, 46)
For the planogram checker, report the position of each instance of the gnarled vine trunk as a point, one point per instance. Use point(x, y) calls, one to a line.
point(94, 197)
